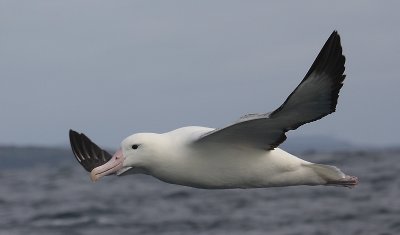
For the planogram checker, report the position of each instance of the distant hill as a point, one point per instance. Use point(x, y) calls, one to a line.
point(15, 156)
point(12, 156)
point(316, 144)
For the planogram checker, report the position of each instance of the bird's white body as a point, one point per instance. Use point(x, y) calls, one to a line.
point(172, 158)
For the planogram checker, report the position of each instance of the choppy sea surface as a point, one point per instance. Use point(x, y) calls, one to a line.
point(59, 199)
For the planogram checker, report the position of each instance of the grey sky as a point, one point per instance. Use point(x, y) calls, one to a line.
point(113, 68)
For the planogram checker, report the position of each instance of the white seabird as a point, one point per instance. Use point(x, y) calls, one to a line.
point(242, 155)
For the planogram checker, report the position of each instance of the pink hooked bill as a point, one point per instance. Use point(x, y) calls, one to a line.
point(111, 167)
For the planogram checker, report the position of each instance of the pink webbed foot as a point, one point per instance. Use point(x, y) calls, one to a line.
point(348, 181)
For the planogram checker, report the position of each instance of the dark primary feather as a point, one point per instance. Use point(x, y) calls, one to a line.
point(88, 154)
point(315, 97)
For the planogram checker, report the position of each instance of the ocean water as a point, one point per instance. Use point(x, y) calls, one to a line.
point(59, 199)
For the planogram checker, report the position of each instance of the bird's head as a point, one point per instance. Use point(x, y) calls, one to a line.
point(137, 151)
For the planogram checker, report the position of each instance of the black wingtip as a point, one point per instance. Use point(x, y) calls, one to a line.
point(87, 153)
point(71, 134)
point(330, 59)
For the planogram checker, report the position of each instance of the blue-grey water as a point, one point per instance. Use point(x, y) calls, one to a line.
point(60, 199)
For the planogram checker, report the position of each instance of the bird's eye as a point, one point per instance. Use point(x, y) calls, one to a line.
point(135, 146)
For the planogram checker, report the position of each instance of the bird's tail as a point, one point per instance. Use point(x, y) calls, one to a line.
point(334, 176)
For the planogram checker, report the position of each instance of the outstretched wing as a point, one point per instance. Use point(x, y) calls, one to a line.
point(88, 154)
point(315, 97)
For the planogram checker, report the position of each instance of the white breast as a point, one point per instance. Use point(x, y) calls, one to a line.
point(230, 168)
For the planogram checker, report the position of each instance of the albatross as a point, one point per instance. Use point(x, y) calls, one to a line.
point(244, 154)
